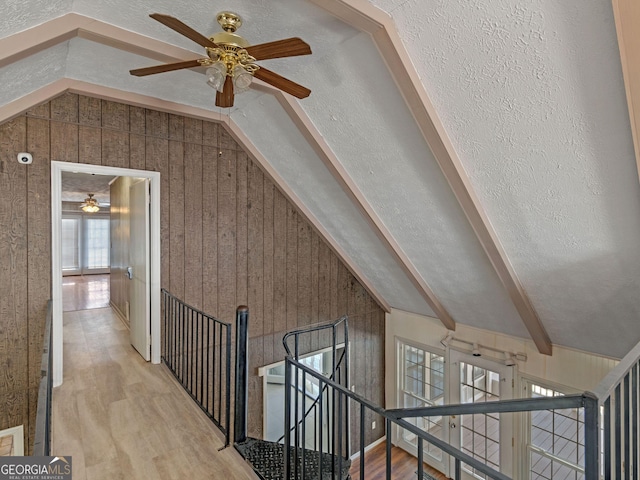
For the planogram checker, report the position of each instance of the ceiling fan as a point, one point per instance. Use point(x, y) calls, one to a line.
point(230, 59)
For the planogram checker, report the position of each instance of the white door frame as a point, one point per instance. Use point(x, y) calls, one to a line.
point(56, 261)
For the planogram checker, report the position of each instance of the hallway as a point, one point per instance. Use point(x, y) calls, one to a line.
point(84, 292)
point(120, 417)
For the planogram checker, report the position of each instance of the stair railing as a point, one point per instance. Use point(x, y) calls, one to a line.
point(314, 406)
point(339, 440)
point(617, 397)
point(197, 350)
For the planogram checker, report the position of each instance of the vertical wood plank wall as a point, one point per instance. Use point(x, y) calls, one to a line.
point(229, 237)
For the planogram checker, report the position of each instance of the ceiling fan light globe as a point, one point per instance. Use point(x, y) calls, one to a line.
point(216, 75)
point(241, 79)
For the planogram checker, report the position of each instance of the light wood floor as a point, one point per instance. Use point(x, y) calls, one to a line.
point(120, 417)
point(82, 292)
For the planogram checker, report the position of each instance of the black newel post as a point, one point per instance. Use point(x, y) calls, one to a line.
point(242, 374)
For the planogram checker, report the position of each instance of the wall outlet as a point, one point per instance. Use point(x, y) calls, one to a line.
point(373, 425)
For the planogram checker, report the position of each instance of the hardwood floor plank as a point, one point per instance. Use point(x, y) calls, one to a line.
point(120, 417)
point(403, 465)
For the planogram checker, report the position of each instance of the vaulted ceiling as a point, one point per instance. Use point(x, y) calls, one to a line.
point(472, 161)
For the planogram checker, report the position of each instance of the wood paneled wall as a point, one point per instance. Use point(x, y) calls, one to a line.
point(229, 237)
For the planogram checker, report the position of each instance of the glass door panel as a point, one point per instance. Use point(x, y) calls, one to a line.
point(487, 436)
point(421, 384)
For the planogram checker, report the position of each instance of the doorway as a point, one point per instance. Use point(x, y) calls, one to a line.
point(427, 377)
point(57, 168)
point(487, 437)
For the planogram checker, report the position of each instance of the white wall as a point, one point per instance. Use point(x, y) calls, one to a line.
point(577, 370)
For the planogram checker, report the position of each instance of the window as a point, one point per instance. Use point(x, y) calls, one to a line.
point(556, 440)
point(71, 243)
point(97, 239)
point(85, 244)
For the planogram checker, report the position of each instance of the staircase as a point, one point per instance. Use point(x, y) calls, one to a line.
point(268, 459)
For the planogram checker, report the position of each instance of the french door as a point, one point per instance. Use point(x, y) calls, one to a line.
point(85, 244)
point(422, 384)
point(485, 437)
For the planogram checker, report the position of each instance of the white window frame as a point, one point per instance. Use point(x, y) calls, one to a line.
point(439, 464)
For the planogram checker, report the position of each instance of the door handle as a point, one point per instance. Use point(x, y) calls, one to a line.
point(129, 273)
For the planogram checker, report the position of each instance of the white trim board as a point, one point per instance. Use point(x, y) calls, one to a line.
point(56, 261)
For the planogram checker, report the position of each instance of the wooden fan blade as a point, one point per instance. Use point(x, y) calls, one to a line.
point(225, 99)
point(167, 67)
point(289, 47)
point(175, 24)
point(282, 83)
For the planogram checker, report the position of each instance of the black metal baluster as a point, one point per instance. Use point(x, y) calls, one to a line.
point(321, 440)
point(388, 431)
point(199, 356)
point(242, 374)
point(174, 322)
point(634, 420)
point(333, 403)
point(287, 419)
point(296, 407)
point(627, 421)
point(362, 424)
point(618, 433)
point(208, 374)
point(347, 380)
point(607, 439)
point(420, 458)
point(304, 423)
point(228, 386)
point(192, 346)
point(184, 342)
point(591, 438)
point(220, 374)
point(339, 435)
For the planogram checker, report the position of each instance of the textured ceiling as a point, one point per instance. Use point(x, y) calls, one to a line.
point(530, 94)
point(77, 186)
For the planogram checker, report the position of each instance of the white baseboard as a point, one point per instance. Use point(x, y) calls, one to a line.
point(369, 447)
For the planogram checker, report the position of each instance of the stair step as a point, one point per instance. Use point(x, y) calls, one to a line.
point(267, 460)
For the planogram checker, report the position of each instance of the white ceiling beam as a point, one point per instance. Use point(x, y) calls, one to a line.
point(23, 44)
point(326, 154)
point(627, 16)
point(363, 15)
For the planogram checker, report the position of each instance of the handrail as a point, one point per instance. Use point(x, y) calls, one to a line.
point(503, 406)
point(313, 328)
point(611, 380)
point(424, 436)
point(42, 439)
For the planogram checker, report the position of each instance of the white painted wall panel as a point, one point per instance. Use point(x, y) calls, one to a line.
point(572, 368)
